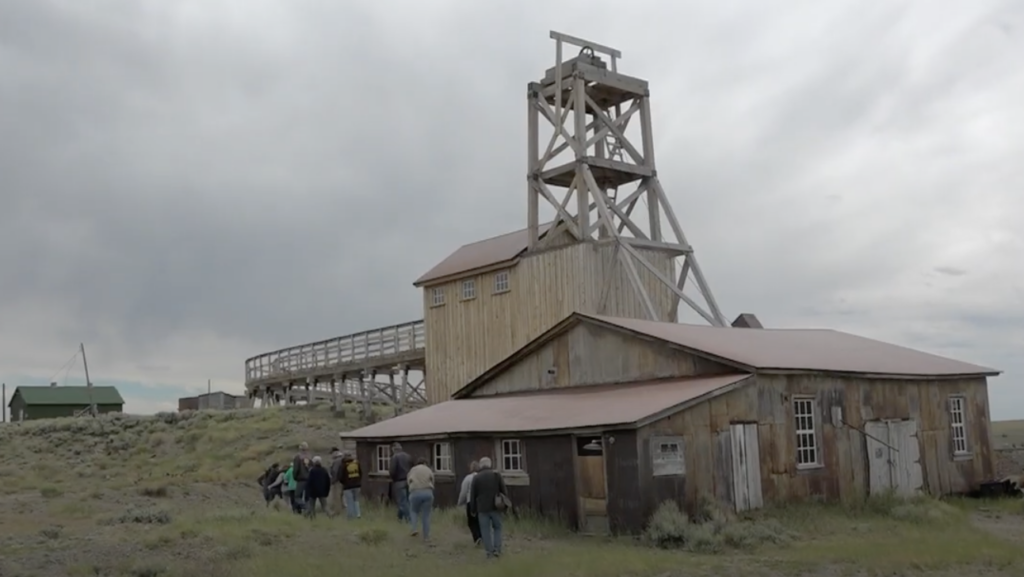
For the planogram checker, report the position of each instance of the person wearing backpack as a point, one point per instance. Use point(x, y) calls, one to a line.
point(272, 481)
point(488, 496)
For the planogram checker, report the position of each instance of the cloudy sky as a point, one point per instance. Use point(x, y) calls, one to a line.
point(186, 184)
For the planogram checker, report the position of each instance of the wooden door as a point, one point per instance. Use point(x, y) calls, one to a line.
point(894, 457)
point(746, 467)
point(591, 485)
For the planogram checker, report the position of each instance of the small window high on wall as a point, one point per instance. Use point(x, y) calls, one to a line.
point(468, 289)
point(501, 282)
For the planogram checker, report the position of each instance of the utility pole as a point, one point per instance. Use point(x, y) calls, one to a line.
point(207, 386)
point(88, 382)
point(5, 401)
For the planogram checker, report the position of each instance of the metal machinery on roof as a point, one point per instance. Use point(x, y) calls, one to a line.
point(589, 105)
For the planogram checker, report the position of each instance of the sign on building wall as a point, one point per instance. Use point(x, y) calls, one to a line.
point(667, 456)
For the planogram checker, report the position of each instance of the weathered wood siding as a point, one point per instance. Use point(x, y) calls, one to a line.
point(548, 488)
point(466, 337)
point(626, 500)
point(589, 355)
point(375, 485)
point(844, 474)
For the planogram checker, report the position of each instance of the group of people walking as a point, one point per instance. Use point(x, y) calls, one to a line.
point(483, 493)
point(307, 483)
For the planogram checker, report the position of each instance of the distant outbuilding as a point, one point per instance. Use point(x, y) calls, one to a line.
point(42, 402)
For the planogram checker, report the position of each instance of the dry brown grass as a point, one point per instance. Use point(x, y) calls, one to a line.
point(174, 496)
point(1008, 434)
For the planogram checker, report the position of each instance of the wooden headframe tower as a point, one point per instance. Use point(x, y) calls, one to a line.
point(589, 106)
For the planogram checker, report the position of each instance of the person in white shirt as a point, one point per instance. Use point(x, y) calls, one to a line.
point(471, 519)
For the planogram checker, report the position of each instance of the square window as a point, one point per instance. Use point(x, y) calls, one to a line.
point(667, 456)
point(468, 289)
point(383, 461)
point(443, 457)
point(437, 297)
point(510, 455)
point(501, 282)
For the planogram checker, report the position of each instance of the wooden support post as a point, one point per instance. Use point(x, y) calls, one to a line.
point(403, 395)
point(362, 394)
point(393, 390)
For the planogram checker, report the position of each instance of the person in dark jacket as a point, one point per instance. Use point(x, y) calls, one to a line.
point(270, 484)
point(401, 462)
point(300, 472)
point(318, 488)
point(486, 491)
point(337, 504)
point(351, 483)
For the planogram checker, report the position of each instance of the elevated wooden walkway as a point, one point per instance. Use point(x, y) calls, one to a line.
point(370, 367)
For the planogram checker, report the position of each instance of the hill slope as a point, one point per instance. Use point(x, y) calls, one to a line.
point(175, 495)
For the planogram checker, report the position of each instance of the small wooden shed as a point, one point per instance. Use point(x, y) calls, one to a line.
point(600, 419)
point(42, 402)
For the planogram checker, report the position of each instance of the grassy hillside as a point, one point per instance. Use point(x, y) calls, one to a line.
point(174, 495)
point(1008, 434)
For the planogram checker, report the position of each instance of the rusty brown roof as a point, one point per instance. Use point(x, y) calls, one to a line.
point(574, 408)
point(800, 349)
point(480, 254)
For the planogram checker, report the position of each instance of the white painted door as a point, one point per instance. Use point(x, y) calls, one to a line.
point(894, 457)
point(746, 467)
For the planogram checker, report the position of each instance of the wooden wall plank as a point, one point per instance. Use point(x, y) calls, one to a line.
point(466, 337)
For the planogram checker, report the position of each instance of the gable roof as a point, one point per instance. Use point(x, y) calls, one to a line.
point(823, 350)
point(629, 405)
point(78, 396)
point(762, 350)
point(483, 253)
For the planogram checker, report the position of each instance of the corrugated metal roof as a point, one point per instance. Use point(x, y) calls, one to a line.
point(575, 408)
point(801, 349)
point(79, 396)
point(482, 253)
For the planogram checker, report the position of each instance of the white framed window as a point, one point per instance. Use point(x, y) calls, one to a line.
point(501, 282)
point(510, 455)
point(443, 457)
point(667, 456)
point(437, 296)
point(383, 461)
point(958, 424)
point(469, 289)
point(807, 453)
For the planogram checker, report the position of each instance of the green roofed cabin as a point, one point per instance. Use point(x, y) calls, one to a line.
point(52, 401)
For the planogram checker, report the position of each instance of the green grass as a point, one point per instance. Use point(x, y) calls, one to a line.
point(174, 495)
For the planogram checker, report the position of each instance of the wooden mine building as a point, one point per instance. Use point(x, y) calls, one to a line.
point(600, 419)
point(556, 351)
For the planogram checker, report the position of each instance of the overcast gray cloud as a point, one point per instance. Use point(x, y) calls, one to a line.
point(186, 184)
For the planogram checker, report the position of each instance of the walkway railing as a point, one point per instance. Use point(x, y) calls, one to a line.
point(334, 353)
